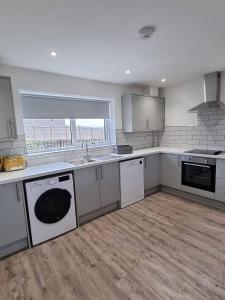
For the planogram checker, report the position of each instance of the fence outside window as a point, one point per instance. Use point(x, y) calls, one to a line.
point(55, 134)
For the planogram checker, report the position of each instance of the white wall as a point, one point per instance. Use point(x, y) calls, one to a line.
point(38, 81)
point(180, 98)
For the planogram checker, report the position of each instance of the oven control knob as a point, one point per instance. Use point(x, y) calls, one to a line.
point(206, 161)
point(189, 158)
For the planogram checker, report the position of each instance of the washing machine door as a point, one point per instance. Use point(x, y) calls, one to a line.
point(52, 206)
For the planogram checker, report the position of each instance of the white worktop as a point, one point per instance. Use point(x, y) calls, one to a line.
point(34, 172)
point(60, 167)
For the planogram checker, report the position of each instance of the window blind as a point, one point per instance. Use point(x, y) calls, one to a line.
point(40, 107)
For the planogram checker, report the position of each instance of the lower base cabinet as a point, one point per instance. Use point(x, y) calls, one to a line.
point(12, 218)
point(220, 180)
point(151, 171)
point(97, 187)
point(170, 171)
point(109, 184)
point(87, 190)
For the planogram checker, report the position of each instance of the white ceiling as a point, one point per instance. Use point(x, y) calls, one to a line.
point(97, 39)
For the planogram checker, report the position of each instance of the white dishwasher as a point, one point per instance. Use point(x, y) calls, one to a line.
point(131, 181)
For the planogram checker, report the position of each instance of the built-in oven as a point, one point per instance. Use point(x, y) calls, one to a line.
point(199, 172)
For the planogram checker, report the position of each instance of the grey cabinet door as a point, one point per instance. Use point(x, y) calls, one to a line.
point(140, 113)
point(151, 171)
point(170, 171)
point(156, 114)
point(12, 216)
point(220, 180)
point(87, 190)
point(109, 183)
point(7, 119)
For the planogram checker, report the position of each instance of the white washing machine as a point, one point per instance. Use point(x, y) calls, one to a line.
point(51, 208)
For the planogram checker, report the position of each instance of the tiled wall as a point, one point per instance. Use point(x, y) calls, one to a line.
point(208, 134)
point(138, 140)
point(67, 155)
point(18, 147)
point(15, 147)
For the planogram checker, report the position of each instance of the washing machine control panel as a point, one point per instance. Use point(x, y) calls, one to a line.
point(48, 182)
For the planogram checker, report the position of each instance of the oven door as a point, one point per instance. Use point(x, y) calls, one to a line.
point(199, 176)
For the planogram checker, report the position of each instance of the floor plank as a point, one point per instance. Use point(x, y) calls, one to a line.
point(161, 248)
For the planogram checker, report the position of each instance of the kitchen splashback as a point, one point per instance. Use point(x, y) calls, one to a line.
point(138, 140)
point(208, 134)
point(15, 147)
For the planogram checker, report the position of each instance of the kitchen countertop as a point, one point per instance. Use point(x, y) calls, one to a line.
point(34, 172)
point(60, 167)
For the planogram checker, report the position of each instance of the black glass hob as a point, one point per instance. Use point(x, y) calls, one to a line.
point(202, 151)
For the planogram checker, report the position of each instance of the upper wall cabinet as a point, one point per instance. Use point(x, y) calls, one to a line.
point(142, 113)
point(7, 117)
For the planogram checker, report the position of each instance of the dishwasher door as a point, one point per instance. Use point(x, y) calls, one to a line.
point(131, 181)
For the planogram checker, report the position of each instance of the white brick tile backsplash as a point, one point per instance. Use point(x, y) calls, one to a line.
point(209, 133)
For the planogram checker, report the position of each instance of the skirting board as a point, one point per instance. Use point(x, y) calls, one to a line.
point(98, 213)
point(152, 191)
point(13, 248)
point(195, 198)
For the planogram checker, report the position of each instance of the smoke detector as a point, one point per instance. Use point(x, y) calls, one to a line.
point(145, 33)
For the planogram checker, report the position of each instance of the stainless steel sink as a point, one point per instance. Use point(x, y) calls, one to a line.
point(108, 156)
point(82, 161)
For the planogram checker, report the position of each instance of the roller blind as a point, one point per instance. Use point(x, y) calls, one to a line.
point(35, 107)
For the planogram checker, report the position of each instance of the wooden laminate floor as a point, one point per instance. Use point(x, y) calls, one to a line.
point(160, 248)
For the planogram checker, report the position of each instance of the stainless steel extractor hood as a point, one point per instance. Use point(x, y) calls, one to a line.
point(211, 93)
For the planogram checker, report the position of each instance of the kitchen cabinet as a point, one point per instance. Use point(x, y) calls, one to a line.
point(87, 190)
point(97, 187)
point(220, 180)
point(142, 113)
point(7, 117)
point(12, 215)
point(109, 184)
point(151, 171)
point(170, 171)
point(156, 113)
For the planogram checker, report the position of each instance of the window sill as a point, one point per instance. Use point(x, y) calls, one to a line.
point(30, 154)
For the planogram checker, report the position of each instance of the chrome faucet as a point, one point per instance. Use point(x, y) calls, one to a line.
point(87, 156)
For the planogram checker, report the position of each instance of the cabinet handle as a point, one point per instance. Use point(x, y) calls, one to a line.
point(18, 192)
point(14, 131)
point(101, 173)
point(10, 128)
point(96, 173)
point(145, 162)
point(179, 161)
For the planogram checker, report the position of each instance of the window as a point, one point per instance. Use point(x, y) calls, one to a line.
point(52, 123)
point(53, 134)
point(90, 130)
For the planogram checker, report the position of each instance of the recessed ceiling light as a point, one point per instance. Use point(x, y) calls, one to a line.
point(163, 79)
point(128, 72)
point(53, 53)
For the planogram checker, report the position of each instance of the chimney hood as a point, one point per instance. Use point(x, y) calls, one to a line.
point(211, 93)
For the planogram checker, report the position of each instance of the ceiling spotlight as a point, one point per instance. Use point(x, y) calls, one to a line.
point(127, 72)
point(145, 33)
point(163, 79)
point(53, 53)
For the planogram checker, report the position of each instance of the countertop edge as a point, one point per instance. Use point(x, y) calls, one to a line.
point(61, 167)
